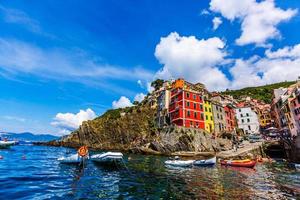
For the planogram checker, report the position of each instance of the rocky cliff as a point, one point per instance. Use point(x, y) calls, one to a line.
point(133, 129)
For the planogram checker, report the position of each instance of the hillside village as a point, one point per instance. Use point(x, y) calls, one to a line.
point(184, 104)
point(179, 116)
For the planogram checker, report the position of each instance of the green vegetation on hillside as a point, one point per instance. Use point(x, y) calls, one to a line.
point(263, 93)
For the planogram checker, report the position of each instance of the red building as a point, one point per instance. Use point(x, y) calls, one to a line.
point(186, 105)
point(229, 117)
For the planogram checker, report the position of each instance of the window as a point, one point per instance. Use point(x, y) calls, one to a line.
point(249, 127)
point(221, 117)
point(241, 115)
point(248, 120)
point(187, 104)
point(247, 114)
point(211, 118)
point(188, 113)
point(205, 109)
point(242, 120)
point(240, 110)
point(195, 115)
point(206, 117)
point(209, 109)
point(187, 95)
point(195, 105)
point(218, 116)
point(201, 107)
point(197, 124)
point(194, 96)
point(202, 116)
point(191, 123)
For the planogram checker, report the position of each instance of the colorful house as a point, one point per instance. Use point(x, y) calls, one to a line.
point(295, 109)
point(219, 117)
point(247, 119)
point(208, 113)
point(264, 115)
point(163, 102)
point(230, 117)
point(186, 105)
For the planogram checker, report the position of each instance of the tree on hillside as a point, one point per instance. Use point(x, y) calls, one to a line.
point(158, 83)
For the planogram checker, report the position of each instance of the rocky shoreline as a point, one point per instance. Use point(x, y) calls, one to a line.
point(134, 130)
point(176, 141)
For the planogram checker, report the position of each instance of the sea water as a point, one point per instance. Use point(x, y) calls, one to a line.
point(33, 172)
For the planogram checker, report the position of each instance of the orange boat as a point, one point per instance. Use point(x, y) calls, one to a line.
point(239, 163)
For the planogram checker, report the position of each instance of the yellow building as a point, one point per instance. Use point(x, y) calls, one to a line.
point(264, 115)
point(209, 122)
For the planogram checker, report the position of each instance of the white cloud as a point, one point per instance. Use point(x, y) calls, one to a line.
point(17, 57)
point(280, 65)
point(149, 87)
point(19, 17)
point(67, 122)
point(121, 103)
point(286, 52)
point(14, 118)
point(139, 97)
point(196, 60)
point(244, 74)
point(193, 59)
point(217, 21)
point(204, 12)
point(259, 19)
point(140, 83)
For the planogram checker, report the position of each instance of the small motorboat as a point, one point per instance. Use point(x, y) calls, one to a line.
point(26, 142)
point(239, 163)
point(208, 162)
point(180, 163)
point(73, 159)
point(108, 158)
point(297, 167)
point(6, 144)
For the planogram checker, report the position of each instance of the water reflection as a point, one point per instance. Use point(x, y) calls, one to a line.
point(40, 176)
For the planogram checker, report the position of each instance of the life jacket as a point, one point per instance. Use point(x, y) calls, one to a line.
point(83, 151)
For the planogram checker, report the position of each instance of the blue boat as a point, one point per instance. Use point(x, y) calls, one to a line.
point(208, 162)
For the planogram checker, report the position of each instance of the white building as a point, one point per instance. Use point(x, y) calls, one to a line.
point(247, 120)
point(163, 102)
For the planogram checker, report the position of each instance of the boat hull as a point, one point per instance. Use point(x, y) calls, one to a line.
point(209, 162)
point(180, 163)
point(109, 158)
point(6, 144)
point(248, 164)
point(74, 159)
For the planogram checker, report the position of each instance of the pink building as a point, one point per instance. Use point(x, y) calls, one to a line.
point(295, 111)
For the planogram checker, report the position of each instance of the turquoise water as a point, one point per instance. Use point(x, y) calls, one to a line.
point(32, 172)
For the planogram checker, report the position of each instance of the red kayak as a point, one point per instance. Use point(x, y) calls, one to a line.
point(237, 163)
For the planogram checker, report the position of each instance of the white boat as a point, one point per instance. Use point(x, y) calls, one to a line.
point(208, 162)
point(108, 158)
point(73, 159)
point(297, 167)
point(180, 163)
point(6, 144)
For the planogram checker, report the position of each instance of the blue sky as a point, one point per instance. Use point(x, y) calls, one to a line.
point(60, 57)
